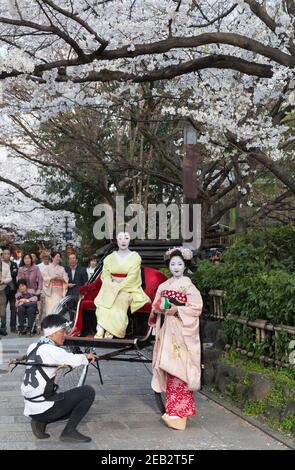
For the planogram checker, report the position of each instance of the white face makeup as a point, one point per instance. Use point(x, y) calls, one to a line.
point(177, 266)
point(123, 240)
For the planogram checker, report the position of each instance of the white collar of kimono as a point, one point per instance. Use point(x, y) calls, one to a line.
point(121, 257)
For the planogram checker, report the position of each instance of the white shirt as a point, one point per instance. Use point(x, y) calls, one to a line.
point(49, 354)
point(73, 273)
point(90, 271)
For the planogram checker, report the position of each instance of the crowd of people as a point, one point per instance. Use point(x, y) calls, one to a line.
point(32, 285)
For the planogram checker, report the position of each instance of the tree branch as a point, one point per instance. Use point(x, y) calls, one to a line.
point(41, 27)
point(167, 73)
point(83, 23)
point(217, 18)
point(261, 13)
point(44, 203)
point(275, 167)
point(158, 47)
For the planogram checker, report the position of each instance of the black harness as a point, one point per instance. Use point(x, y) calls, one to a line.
point(51, 387)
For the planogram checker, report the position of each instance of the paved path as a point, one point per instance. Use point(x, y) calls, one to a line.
point(124, 415)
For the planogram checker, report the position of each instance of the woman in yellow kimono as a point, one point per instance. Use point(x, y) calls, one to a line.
point(121, 288)
point(177, 354)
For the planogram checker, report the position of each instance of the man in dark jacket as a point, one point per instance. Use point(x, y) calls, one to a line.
point(11, 287)
point(77, 277)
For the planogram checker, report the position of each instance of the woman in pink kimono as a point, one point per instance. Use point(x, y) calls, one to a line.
point(177, 351)
point(55, 283)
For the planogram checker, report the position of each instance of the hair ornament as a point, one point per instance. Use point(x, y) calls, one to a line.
point(186, 252)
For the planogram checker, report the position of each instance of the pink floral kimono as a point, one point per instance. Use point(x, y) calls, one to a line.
point(177, 351)
point(54, 289)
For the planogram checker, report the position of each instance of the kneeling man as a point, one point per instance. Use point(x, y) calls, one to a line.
point(42, 402)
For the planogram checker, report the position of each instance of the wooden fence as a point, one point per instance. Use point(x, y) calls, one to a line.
point(270, 343)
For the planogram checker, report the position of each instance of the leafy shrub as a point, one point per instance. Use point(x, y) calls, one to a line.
point(257, 274)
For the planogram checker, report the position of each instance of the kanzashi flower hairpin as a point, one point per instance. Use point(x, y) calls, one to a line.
point(186, 252)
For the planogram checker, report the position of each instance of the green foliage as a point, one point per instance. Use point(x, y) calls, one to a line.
point(257, 275)
point(276, 396)
point(79, 200)
point(254, 408)
point(165, 271)
point(283, 343)
point(285, 377)
point(283, 381)
point(288, 424)
point(274, 246)
point(33, 239)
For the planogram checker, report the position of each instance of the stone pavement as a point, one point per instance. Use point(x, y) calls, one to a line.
point(124, 415)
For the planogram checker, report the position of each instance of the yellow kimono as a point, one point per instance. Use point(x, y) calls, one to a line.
point(121, 288)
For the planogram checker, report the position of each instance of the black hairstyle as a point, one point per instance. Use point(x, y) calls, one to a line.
point(53, 320)
point(22, 263)
point(93, 257)
point(187, 262)
point(21, 281)
point(54, 253)
point(7, 248)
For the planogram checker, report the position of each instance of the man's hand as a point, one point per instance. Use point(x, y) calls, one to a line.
point(91, 357)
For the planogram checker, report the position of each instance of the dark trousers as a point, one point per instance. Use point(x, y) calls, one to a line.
point(29, 311)
point(11, 302)
point(2, 309)
point(74, 406)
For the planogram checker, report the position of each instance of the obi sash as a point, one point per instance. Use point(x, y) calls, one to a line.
point(118, 275)
point(175, 297)
point(56, 283)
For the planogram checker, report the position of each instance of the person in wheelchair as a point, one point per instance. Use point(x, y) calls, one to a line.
point(26, 304)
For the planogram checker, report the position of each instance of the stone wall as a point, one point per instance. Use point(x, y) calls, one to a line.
point(256, 393)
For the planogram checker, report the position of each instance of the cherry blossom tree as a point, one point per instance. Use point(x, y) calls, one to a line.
point(227, 66)
point(20, 212)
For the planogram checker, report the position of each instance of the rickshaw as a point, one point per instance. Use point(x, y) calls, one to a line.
point(137, 344)
point(135, 347)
